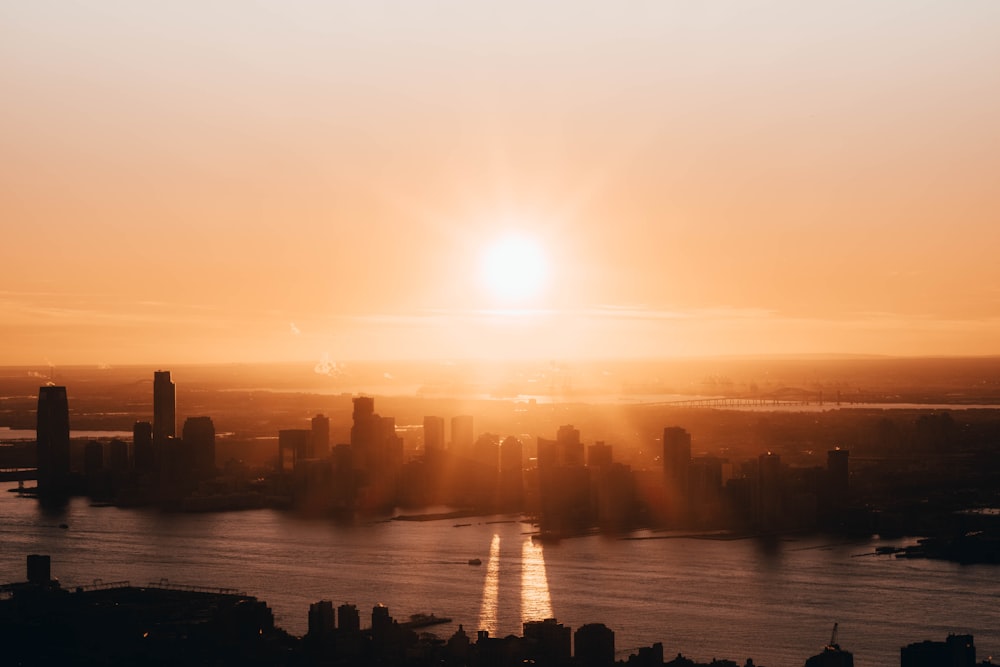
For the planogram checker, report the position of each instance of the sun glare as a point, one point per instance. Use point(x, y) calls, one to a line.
point(514, 268)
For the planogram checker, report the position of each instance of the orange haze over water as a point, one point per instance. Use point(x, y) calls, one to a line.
point(273, 181)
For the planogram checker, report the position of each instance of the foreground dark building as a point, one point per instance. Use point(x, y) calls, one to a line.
point(118, 624)
point(52, 442)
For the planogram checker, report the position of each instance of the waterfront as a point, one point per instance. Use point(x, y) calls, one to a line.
point(774, 602)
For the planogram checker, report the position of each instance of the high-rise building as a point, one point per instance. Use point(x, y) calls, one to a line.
point(119, 460)
point(293, 446)
point(676, 455)
point(321, 618)
point(433, 436)
point(143, 457)
point(164, 407)
point(348, 618)
point(319, 440)
point(364, 427)
point(838, 474)
point(594, 645)
point(569, 445)
point(486, 451)
point(511, 455)
point(511, 482)
point(547, 641)
point(199, 446)
point(52, 441)
point(769, 492)
point(676, 470)
point(599, 455)
point(462, 437)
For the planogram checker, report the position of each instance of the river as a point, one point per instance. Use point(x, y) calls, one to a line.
point(775, 602)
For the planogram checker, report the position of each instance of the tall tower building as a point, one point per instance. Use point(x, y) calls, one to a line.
point(52, 441)
point(594, 645)
point(293, 446)
point(462, 437)
point(599, 455)
point(676, 469)
point(838, 474)
point(199, 447)
point(164, 407)
point(768, 507)
point(319, 439)
point(433, 436)
point(142, 447)
point(569, 445)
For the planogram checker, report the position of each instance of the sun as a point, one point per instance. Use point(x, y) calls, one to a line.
point(514, 268)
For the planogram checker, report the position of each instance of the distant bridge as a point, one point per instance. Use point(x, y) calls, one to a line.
point(735, 402)
point(781, 397)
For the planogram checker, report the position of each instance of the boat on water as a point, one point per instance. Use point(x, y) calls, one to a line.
point(424, 620)
point(475, 561)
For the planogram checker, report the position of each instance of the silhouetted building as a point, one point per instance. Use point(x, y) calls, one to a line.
point(834, 656)
point(39, 569)
point(676, 470)
point(93, 459)
point(164, 407)
point(462, 435)
point(457, 649)
point(433, 436)
point(348, 618)
point(594, 645)
point(565, 450)
point(955, 651)
point(615, 491)
point(293, 446)
point(570, 447)
point(768, 505)
point(321, 618)
point(511, 483)
point(647, 656)
point(547, 642)
point(52, 441)
point(838, 475)
point(119, 461)
point(144, 459)
point(199, 447)
point(705, 488)
point(377, 453)
point(319, 438)
point(486, 451)
point(118, 624)
point(599, 455)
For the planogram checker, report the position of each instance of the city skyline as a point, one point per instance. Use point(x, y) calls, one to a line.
point(350, 181)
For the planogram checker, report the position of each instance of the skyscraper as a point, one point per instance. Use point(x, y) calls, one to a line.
point(319, 440)
point(142, 447)
point(52, 441)
point(293, 446)
point(433, 436)
point(462, 435)
point(199, 447)
point(676, 469)
point(164, 407)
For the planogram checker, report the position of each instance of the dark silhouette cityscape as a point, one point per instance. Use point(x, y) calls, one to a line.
point(562, 486)
point(158, 624)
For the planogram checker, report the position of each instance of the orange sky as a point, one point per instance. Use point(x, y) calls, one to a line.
point(252, 181)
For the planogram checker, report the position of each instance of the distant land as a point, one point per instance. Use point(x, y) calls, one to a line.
point(852, 378)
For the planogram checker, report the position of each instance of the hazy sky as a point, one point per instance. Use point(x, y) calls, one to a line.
point(231, 180)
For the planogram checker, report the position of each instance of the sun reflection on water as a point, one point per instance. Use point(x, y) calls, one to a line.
point(491, 589)
point(536, 604)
